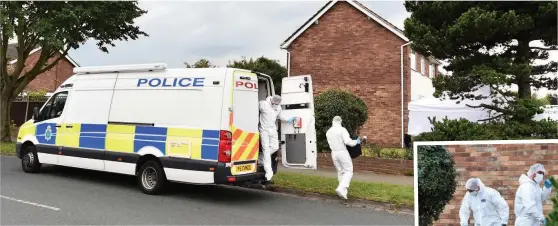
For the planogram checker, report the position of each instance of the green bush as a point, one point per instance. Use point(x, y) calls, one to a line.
point(436, 182)
point(409, 153)
point(552, 219)
point(462, 129)
point(393, 153)
point(371, 150)
point(334, 102)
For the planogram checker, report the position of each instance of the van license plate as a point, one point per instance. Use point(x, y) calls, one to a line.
point(248, 168)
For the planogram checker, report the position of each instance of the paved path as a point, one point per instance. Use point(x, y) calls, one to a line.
point(60, 195)
point(358, 176)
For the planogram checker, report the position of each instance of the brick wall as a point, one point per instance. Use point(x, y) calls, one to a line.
point(377, 165)
point(51, 79)
point(498, 167)
point(347, 50)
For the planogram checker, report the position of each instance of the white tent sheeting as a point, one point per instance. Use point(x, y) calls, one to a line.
point(420, 110)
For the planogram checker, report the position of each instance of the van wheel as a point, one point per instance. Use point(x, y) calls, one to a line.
point(151, 178)
point(29, 160)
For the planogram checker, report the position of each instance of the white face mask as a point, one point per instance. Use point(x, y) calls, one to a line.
point(475, 193)
point(539, 178)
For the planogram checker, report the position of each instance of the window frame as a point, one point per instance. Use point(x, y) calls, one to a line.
point(50, 108)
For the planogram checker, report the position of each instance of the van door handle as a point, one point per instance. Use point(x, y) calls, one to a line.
point(69, 126)
point(58, 126)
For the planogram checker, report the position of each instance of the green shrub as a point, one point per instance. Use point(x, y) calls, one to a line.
point(409, 153)
point(371, 150)
point(393, 153)
point(552, 219)
point(462, 129)
point(436, 182)
point(334, 102)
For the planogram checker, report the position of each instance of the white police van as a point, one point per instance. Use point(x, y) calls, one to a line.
point(187, 125)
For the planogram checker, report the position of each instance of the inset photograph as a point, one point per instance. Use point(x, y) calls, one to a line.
point(487, 183)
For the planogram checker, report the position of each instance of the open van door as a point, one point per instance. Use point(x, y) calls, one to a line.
point(298, 145)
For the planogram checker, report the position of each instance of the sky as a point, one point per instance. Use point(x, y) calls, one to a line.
point(220, 31)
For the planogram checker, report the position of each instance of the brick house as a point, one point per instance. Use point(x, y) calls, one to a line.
point(346, 45)
point(499, 166)
point(49, 80)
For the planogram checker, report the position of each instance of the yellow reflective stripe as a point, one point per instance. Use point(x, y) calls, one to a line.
point(120, 138)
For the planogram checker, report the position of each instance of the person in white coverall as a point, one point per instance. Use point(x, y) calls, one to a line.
point(488, 206)
point(270, 111)
point(529, 197)
point(337, 138)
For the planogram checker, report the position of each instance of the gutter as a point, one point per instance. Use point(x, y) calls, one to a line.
point(402, 98)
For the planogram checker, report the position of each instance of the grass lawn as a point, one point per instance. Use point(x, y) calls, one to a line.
point(7, 148)
point(387, 193)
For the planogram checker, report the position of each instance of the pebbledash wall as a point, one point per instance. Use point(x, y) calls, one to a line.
point(376, 165)
point(499, 167)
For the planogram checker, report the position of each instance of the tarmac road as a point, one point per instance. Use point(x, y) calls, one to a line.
point(62, 195)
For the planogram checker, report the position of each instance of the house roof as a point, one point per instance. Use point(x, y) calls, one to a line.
point(398, 32)
point(362, 8)
point(12, 54)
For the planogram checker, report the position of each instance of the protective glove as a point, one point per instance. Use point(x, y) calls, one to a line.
point(547, 183)
point(291, 120)
point(358, 140)
point(544, 222)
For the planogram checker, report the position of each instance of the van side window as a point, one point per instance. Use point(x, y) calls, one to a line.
point(54, 107)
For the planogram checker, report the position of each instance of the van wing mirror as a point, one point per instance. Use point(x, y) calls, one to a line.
point(35, 113)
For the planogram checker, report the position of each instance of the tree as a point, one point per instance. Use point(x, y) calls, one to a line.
point(202, 63)
point(56, 26)
point(436, 182)
point(488, 43)
point(552, 219)
point(264, 65)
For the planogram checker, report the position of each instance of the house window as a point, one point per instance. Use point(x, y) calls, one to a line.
point(431, 71)
point(413, 60)
point(422, 66)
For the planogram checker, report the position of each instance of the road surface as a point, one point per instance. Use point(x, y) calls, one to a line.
point(61, 195)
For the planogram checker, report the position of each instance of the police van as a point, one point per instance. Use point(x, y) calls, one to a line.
point(196, 126)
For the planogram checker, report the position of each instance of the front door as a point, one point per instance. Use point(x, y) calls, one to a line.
point(47, 127)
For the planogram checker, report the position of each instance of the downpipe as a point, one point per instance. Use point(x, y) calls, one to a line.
point(402, 98)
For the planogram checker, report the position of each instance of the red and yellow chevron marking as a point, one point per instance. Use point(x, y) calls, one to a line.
point(245, 145)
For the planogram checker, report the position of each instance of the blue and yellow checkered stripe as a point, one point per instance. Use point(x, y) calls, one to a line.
point(196, 143)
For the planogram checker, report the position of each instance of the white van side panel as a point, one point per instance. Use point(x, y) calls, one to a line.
point(85, 118)
point(175, 112)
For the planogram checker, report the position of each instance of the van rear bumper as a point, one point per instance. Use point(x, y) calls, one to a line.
point(223, 175)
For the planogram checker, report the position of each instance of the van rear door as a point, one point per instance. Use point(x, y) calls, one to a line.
point(298, 145)
point(244, 119)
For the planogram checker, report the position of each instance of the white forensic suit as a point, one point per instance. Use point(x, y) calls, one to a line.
point(488, 206)
point(528, 202)
point(337, 138)
point(268, 133)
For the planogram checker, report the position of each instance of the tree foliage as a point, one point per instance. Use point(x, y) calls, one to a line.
point(552, 219)
point(462, 129)
point(56, 27)
point(488, 43)
point(202, 63)
point(353, 112)
point(436, 182)
point(263, 65)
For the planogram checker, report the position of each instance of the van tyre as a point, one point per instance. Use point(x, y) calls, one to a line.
point(29, 160)
point(151, 178)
